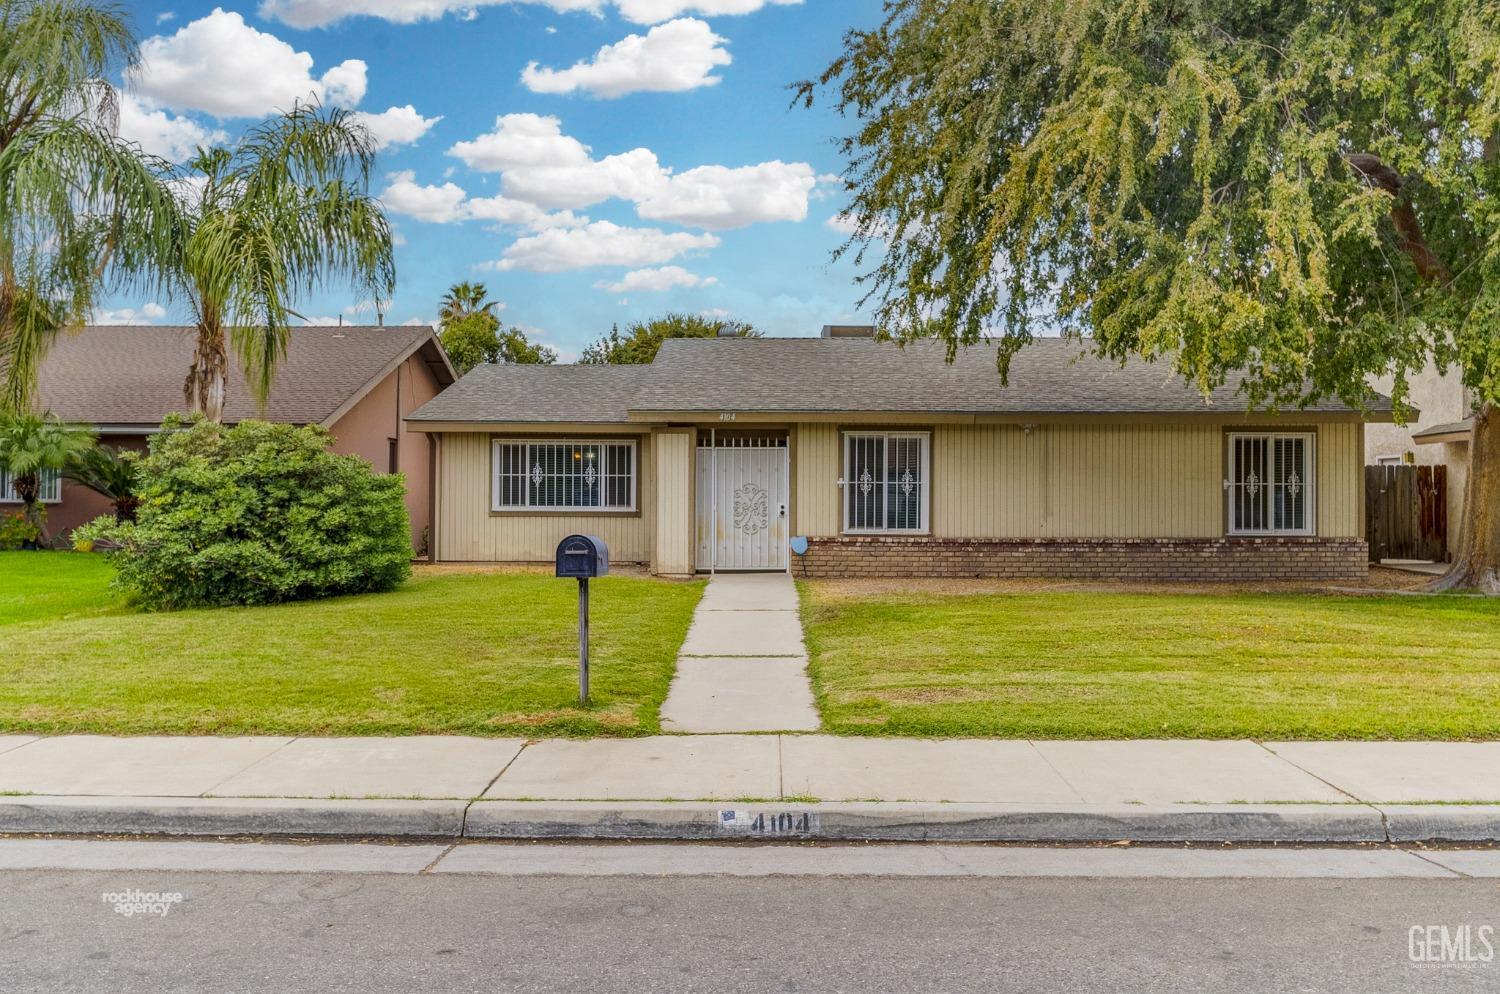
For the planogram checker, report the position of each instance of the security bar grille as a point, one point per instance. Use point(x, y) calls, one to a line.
point(563, 475)
point(885, 482)
point(48, 492)
point(1271, 485)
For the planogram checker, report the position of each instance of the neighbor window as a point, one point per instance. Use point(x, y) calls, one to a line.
point(50, 491)
point(564, 475)
point(1271, 484)
point(885, 481)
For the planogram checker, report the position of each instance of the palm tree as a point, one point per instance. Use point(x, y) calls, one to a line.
point(33, 444)
point(79, 207)
point(109, 472)
point(464, 299)
point(286, 210)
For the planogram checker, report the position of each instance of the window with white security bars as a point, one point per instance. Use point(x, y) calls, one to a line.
point(50, 491)
point(564, 476)
point(885, 481)
point(1272, 484)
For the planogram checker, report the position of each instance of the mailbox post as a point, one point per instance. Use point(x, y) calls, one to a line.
point(583, 557)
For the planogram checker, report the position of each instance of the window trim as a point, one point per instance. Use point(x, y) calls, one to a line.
point(1311, 529)
point(8, 493)
point(924, 514)
point(520, 509)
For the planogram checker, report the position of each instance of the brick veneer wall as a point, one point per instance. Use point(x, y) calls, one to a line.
point(1142, 559)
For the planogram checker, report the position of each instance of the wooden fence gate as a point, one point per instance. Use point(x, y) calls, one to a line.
point(1406, 512)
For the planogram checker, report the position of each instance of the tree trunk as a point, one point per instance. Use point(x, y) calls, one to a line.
point(204, 389)
point(1476, 563)
point(28, 487)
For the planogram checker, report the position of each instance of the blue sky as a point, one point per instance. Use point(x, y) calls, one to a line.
point(591, 161)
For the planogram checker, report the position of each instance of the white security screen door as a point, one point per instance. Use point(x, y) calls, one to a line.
point(742, 505)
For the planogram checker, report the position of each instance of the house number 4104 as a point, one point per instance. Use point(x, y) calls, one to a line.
point(726, 416)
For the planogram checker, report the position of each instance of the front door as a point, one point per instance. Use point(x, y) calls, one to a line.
point(742, 512)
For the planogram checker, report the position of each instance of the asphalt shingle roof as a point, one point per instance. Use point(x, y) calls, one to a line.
point(1048, 376)
point(1447, 428)
point(542, 394)
point(133, 375)
point(834, 375)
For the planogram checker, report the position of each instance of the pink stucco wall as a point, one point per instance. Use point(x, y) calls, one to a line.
point(368, 427)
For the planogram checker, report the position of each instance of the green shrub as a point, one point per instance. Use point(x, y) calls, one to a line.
point(254, 514)
point(16, 530)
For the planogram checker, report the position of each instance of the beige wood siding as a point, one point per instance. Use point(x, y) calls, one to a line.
point(675, 451)
point(1341, 473)
point(469, 532)
point(1077, 480)
point(815, 471)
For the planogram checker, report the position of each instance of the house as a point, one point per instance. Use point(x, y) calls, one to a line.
point(358, 382)
point(890, 461)
point(1437, 436)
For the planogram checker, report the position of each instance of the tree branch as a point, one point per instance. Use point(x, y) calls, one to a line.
point(1382, 177)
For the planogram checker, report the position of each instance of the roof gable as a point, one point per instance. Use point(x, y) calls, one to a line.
point(133, 375)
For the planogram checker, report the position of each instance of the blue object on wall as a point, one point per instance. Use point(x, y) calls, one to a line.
point(799, 545)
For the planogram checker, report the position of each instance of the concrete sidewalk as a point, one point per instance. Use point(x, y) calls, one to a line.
point(715, 786)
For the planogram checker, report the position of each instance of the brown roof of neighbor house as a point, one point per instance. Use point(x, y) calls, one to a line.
point(583, 394)
point(133, 375)
point(1458, 430)
point(836, 375)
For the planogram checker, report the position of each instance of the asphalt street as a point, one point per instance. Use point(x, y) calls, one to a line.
point(620, 931)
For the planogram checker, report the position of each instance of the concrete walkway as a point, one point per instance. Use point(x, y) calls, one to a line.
point(714, 786)
point(743, 666)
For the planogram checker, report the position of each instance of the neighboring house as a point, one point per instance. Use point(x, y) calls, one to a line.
point(358, 382)
point(1438, 435)
point(890, 461)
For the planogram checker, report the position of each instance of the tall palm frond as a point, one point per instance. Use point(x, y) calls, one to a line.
point(464, 299)
point(79, 207)
point(285, 211)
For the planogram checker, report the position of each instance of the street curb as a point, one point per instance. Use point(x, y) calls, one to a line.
point(737, 820)
point(1442, 822)
point(912, 822)
point(230, 816)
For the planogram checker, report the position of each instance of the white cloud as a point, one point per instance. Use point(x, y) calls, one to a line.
point(653, 11)
point(677, 55)
point(145, 314)
point(165, 16)
point(321, 13)
point(655, 280)
point(396, 125)
point(723, 197)
point(168, 135)
point(438, 204)
point(449, 203)
point(539, 164)
point(598, 243)
point(221, 65)
point(848, 227)
point(321, 321)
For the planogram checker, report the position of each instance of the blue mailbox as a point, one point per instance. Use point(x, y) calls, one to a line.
point(582, 557)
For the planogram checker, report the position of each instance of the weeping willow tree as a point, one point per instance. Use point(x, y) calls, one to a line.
point(80, 210)
point(283, 211)
point(1303, 191)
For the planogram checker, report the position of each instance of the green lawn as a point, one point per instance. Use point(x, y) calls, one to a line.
point(1112, 665)
point(479, 653)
